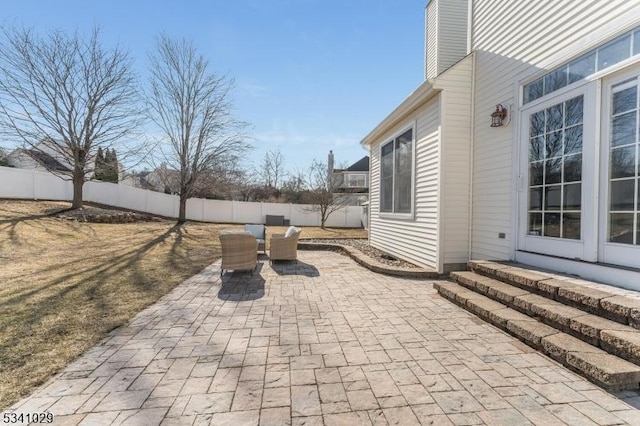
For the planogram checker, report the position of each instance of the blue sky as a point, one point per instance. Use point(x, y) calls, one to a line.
point(311, 75)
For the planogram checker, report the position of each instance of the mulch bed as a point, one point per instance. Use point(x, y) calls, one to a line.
point(364, 247)
point(101, 215)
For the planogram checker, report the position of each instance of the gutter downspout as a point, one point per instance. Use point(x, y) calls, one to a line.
point(471, 153)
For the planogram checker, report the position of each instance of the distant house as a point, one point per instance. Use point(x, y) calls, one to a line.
point(522, 142)
point(353, 181)
point(21, 158)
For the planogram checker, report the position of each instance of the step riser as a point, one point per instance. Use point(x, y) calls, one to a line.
point(590, 300)
point(572, 321)
point(601, 368)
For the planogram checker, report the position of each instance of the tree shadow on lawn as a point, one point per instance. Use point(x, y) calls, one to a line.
point(90, 286)
point(14, 222)
point(112, 266)
point(48, 213)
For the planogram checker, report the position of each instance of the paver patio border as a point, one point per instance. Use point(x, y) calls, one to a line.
point(369, 263)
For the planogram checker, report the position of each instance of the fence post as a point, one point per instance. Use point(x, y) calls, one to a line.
point(233, 211)
point(290, 215)
point(33, 184)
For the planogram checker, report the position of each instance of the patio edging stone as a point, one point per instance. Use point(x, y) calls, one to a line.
point(370, 263)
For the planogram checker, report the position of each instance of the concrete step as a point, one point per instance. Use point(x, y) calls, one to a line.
point(619, 339)
point(594, 298)
point(607, 370)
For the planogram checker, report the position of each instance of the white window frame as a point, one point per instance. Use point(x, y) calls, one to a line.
point(586, 247)
point(611, 252)
point(356, 175)
point(392, 215)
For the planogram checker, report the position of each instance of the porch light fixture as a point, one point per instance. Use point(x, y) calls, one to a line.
point(498, 116)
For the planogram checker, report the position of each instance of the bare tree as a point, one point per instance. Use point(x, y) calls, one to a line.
point(4, 160)
point(191, 106)
point(63, 96)
point(272, 172)
point(322, 192)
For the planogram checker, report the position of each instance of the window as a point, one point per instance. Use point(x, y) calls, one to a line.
point(603, 57)
point(624, 187)
point(356, 180)
point(555, 170)
point(396, 172)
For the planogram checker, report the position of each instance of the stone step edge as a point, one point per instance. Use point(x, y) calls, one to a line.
point(613, 337)
point(617, 308)
point(598, 366)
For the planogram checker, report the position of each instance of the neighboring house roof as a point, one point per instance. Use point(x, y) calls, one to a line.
point(42, 158)
point(362, 165)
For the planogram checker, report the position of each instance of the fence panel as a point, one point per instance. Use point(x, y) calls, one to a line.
point(50, 187)
point(247, 212)
point(16, 183)
point(302, 217)
point(162, 204)
point(218, 211)
point(31, 184)
point(195, 209)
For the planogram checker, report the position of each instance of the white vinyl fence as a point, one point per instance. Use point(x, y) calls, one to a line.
point(35, 185)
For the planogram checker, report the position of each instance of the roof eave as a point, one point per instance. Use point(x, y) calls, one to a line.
point(422, 94)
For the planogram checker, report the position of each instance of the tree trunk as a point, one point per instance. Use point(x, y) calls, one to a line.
point(78, 182)
point(182, 211)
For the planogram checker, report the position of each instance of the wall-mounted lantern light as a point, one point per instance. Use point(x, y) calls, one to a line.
point(498, 116)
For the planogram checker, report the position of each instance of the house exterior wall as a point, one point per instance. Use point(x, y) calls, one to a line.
point(512, 40)
point(21, 160)
point(414, 239)
point(446, 44)
point(431, 40)
point(456, 86)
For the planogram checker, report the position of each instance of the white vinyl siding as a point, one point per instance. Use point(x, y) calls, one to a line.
point(453, 32)
point(456, 85)
point(415, 240)
point(510, 40)
point(437, 236)
point(431, 52)
point(447, 22)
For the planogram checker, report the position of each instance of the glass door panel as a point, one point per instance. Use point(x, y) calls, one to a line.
point(557, 177)
point(555, 170)
point(620, 184)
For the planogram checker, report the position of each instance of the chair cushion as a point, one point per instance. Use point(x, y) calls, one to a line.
point(228, 231)
point(292, 230)
point(255, 230)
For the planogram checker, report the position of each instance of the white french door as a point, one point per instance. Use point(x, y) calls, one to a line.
point(558, 170)
point(620, 175)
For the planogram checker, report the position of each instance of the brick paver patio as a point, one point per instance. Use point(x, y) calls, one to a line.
point(323, 341)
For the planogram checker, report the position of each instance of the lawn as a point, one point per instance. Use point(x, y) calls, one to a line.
point(64, 285)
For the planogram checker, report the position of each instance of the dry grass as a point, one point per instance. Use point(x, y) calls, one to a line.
point(64, 285)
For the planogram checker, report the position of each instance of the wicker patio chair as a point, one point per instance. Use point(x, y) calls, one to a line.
point(260, 232)
point(239, 251)
point(284, 246)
